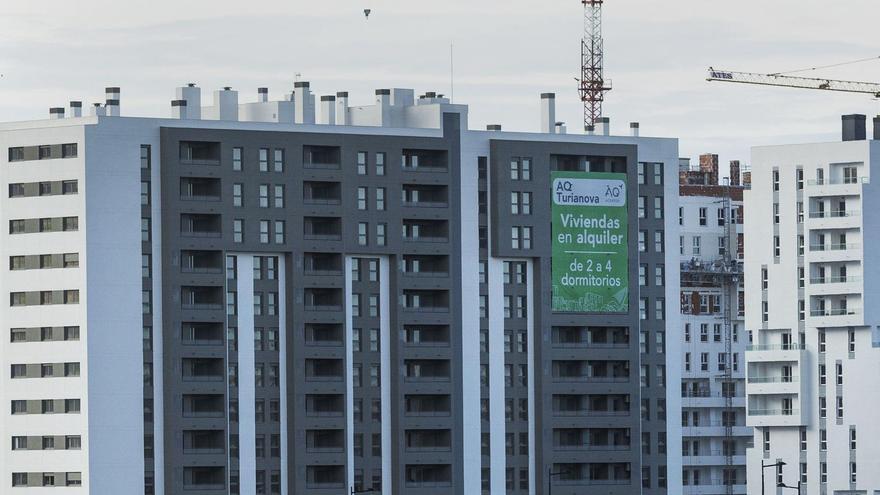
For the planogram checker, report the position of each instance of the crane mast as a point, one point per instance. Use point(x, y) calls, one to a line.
point(592, 84)
point(794, 82)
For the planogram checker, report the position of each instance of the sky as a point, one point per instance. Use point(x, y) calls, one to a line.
point(506, 52)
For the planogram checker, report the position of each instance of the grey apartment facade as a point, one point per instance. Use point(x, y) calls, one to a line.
point(347, 299)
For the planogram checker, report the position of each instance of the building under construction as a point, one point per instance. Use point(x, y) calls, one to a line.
point(714, 435)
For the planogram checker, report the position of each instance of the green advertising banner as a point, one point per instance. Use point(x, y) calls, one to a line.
point(590, 263)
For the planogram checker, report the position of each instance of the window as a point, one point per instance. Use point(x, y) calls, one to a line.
point(643, 241)
point(238, 231)
point(703, 215)
point(380, 199)
point(640, 168)
point(145, 230)
point(521, 169)
point(279, 196)
point(380, 234)
point(69, 150)
point(695, 250)
point(380, 164)
point(775, 179)
point(658, 207)
point(361, 198)
point(660, 308)
point(264, 196)
point(658, 241)
point(264, 232)
point(236, 158)
point(643, 275)
point(278, 160)
point(659, 276)
point(362, 233)
point(362, 163)
point(641, 204)
point(658, 174)
point(521, 237)
point(16, 154)
point(145, 193)
point(264, 159)
point(279, 232)
point(237, 199)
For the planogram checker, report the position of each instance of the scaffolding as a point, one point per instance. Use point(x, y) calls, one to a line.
point(724, 272)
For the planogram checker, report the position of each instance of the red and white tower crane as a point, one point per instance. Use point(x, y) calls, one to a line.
point(592, 83)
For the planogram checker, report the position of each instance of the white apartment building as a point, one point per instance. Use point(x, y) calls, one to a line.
point(714, 435)
point(812, 306)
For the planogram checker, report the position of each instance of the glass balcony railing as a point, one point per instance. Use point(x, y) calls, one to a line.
point(834, 246)
point(835, 214)
point(834, 312)
point(834, 280)
point(773, 412)
point(773, 379)
point(834, 182)
point(775, 347)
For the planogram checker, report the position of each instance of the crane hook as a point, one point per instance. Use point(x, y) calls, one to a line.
point(367, 13)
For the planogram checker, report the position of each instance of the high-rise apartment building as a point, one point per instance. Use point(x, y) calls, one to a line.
point(810, 305)
point(714, 435)
point(272, 297)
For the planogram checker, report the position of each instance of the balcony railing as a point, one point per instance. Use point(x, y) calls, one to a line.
point(835, 214)
point(834, 280)
point(847, 180)
point(773, 412)
point(834, 246)
point(834, 312)
point(775, 347)
point(773, 379)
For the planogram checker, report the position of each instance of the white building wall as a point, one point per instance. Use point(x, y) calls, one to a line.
point(782, 294)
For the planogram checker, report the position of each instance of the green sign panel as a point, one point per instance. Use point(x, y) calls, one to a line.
point(590, 263)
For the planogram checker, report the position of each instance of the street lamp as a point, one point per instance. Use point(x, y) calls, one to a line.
point(798, 487)
point(550, 475)
point(765, 466)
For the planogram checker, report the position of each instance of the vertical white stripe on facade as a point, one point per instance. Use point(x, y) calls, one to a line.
point(497, 421)
point(158, 329)
point(282, 364)
point(247, 458)
point(349, 370)
point(470, 317)
point(385, 365)
point(530, 338)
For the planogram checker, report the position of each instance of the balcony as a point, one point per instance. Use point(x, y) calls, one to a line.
point(424, 196)
point(200, 225)
point(322, 193)
point(199, 153)
point(322, 157)
point(322, 228)
point(202, 334)
point(424, 161)
point(201, 261)
point(199, 189)
point(427, 405)
point(322, 264)
point(837, 186)
point(325, 406)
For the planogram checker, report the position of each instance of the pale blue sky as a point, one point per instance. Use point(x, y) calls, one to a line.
point(507, 52)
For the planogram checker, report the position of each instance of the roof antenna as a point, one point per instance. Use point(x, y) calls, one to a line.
point(367, 13)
